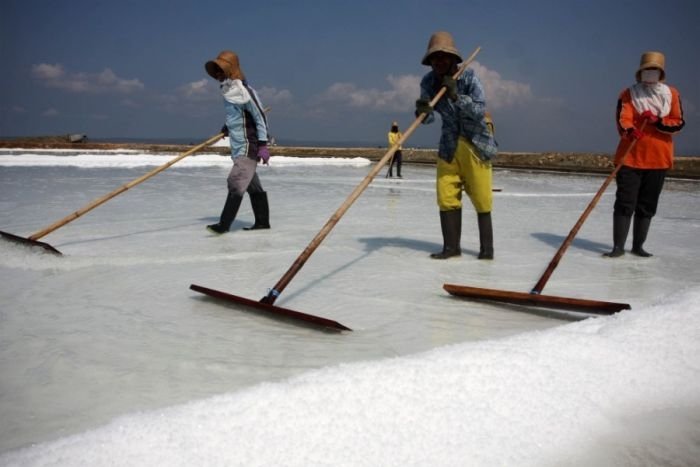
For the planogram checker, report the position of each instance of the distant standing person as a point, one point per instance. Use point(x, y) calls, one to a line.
point(246, 127)
point(641, 177)
point(394, 136)
point(466, 145)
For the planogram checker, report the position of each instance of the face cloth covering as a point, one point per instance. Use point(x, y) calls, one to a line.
point(650, 76)
point(651, 95)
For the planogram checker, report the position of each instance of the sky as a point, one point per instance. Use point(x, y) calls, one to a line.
point(107, 358)
point(336, 71)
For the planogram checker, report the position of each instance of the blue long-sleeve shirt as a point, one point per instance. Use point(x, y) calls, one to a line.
point(463, 117)
point(246, 122)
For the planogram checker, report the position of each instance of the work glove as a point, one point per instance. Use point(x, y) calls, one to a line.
point(224, 130)
point(649, 116)
point(451, 87)
point(634, 134)
point(423, 107)
point(264, 154)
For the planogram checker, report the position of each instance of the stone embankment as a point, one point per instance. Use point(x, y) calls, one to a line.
point(684, 167)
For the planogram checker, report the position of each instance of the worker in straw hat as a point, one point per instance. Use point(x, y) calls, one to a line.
point(657, 106)
point(466, 148)
point(246, 127)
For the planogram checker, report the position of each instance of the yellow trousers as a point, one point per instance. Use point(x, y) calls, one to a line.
point(466, 172)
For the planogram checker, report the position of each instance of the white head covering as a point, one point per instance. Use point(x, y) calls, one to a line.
point(234, 91)
point(655, 97)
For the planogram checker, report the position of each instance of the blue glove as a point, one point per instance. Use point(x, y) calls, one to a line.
point(264, 154)
point(224, 130)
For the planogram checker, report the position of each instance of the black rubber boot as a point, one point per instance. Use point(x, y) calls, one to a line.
point(228, 214)
point(261, 210)
point(621, 227)
point(485, 235)
point(451, 224)
point(639, 235)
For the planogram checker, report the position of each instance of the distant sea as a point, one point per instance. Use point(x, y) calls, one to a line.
point(305, 143)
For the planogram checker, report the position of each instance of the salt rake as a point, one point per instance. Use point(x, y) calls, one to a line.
point(535, 298)
point(266, 304)
point(32, 240)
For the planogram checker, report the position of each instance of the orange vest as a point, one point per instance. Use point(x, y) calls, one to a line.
point(655, 149)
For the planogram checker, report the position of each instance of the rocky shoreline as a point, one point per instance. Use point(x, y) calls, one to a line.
point(684, 167)
point(687, 167)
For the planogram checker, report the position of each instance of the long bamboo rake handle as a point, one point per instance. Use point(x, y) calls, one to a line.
point(308, 251)
point(537, 289)
point(120, 190)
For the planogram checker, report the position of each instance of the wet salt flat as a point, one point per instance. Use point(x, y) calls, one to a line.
point(111, 329)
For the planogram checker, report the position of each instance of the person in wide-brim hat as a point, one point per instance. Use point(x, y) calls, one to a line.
point(649, 113)
point(466, 144)
point(246, 127)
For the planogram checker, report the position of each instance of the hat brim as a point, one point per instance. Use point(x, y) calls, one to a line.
point(212, 68)
point(426, 58)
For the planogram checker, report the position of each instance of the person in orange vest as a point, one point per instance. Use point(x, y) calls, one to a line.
point(649, 113)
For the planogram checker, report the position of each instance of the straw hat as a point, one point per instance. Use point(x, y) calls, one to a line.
point(441, 41)
point(227, 61)
point(651, 60)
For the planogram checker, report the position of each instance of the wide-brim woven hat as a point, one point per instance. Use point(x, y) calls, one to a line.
point(652, 60)
point(441, 41)
point(228, 62)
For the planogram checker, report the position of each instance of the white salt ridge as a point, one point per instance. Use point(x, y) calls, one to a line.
point(610, 391)
point(133, 159)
